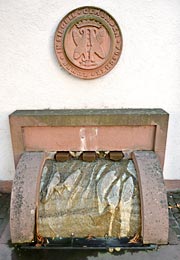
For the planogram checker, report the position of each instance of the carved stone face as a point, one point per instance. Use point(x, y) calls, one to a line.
point(98, 198)
point(88, 42)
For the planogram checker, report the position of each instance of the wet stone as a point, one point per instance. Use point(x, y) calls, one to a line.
point(172, 222)
point(1, 220)
point(89, 198)
point(171, 201)
point(177, 230)
point(177, 201)
point(176, 195)
point(177, 216)
point(175, 210)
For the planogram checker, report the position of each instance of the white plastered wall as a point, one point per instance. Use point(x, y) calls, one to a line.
point(146, 76)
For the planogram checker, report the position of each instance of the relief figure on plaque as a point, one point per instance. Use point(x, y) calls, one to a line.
point(88, 41)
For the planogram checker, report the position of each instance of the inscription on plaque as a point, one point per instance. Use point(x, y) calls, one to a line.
point(88, 42)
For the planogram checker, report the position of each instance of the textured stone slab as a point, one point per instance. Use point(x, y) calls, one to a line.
point(83, 198)
point(154, 205)
point(24, 196)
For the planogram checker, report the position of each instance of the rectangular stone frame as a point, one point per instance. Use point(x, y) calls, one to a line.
point(22, 119)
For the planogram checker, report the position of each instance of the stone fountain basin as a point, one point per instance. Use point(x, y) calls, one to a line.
point(37, 133)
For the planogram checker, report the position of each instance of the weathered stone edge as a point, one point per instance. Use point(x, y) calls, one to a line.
point(154, 206)
point(111, 111)
point(24, 196)
point(92, 117)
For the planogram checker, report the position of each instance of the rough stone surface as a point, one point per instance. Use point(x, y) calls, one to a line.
point(154, 205)
point(82, 198)
point(24, 197)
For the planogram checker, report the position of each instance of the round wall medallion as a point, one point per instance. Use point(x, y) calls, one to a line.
point(88, 42)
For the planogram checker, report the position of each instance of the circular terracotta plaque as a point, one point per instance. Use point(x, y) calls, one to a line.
point(88, 42)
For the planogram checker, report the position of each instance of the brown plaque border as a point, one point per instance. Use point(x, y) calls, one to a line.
point(100, 15)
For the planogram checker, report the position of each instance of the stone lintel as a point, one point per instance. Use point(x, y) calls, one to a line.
point(21, 120)
point(24, 196)
point(93, 117)
point(154, 207)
